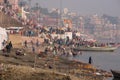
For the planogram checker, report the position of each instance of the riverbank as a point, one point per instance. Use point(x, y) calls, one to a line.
point(13, 72)
point(76, 70)
point(80, 70)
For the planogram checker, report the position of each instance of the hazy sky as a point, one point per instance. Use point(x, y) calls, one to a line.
point(111, 7)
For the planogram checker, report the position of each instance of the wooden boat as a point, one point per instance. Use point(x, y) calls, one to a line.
point(116, 79)
point(95, 48)
point(116, 74)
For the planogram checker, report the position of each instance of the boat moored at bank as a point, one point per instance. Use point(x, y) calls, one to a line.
point(116, 74)
point(95, 48)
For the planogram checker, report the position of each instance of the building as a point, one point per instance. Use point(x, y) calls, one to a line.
point(14, 3)
point(1, 1)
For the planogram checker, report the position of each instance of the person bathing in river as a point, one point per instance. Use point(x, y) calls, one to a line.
point(90, 60)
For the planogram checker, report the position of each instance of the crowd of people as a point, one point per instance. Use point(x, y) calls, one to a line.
point(62, 44)
point(7, 46)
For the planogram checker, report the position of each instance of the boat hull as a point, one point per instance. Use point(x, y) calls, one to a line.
point(95, 48)
point(116, 74)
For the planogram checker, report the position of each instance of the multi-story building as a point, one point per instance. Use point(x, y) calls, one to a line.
point(1, 1)
point(14, 3)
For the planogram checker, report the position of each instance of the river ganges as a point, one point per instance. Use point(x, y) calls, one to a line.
point(102, 60)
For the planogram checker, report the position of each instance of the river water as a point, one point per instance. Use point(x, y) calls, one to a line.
point(102, 60)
